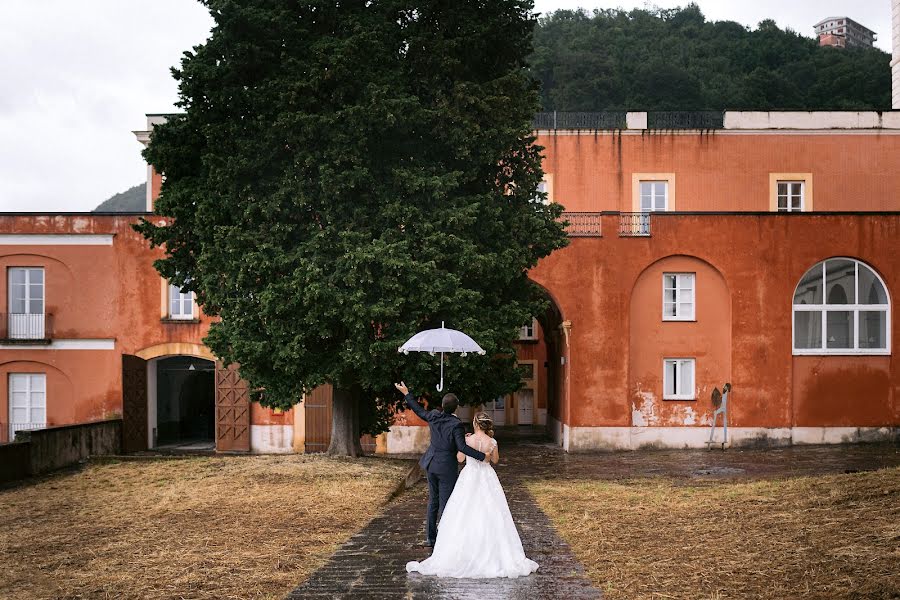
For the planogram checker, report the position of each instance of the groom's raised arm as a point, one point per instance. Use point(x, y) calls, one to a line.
point(459, 436)
point(417, 408)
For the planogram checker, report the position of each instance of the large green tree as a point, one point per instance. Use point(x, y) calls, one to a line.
point(344, 174)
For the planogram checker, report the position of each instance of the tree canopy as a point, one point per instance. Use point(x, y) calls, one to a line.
point(674, 59)
point(344, 175)
point(134, 199)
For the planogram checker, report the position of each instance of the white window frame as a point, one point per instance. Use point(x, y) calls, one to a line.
point(25, 383)
point(26, 325)
point(543, 187)
point(855, 309)
point(498, 413)
point(176, 296)
point(788, 196)
point(529, 333)
point(652, 195)
point(679, 366)
point(679, 277)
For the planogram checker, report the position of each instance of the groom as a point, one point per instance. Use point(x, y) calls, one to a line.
point(447, 438)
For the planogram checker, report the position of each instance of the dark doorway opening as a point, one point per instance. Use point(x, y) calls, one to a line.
point(185, 401)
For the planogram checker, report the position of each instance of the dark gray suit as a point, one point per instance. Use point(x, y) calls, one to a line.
point(447, 438)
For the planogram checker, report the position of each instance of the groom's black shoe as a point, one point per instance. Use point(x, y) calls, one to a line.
point(428, 544)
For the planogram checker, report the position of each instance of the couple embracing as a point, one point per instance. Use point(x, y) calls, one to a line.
point(477, 537)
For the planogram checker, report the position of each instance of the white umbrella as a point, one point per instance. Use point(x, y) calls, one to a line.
point(441, 340)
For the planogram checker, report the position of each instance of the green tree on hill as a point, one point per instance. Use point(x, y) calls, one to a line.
point(134, 199)
point(345, 175)
point(674, 59)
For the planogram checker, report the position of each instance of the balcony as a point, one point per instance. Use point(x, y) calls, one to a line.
point(665, 120)
point(589, 224)
point(8, 430)
point(583, 224)
point(634, 224)
point(22, 328)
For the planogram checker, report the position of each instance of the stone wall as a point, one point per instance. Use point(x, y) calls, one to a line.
point(15, 461)
point(43, 450)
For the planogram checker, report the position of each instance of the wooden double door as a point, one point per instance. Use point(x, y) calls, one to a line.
point(232, 410)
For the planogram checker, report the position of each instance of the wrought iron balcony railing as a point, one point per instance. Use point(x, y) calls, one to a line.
point(26, 328)
point(581, 120)
point(8, 430)
point(686, 119)
point(612, 120)
point(634, 224)
point(583, 224)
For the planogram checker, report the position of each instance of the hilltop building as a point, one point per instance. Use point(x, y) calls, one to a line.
point(844, 32)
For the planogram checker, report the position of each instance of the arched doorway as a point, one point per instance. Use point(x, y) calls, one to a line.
point(539, 352)
point(183, 407)
point(141, 380)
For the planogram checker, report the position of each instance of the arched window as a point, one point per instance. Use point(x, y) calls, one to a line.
point(841, 306)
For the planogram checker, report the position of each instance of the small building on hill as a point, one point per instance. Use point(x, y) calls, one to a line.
point(844, 32)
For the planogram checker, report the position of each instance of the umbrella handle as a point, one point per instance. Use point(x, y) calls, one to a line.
point(440, 386)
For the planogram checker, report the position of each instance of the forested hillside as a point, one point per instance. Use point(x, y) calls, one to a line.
point(133, 199)
point(674, 59)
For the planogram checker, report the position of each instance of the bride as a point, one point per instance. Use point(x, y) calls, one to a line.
point(477, 516)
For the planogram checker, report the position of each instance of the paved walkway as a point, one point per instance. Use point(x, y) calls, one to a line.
point(372, 563)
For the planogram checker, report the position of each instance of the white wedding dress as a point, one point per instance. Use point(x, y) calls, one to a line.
point(477, 536)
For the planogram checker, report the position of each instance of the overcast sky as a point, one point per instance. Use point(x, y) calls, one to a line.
point(78, 77)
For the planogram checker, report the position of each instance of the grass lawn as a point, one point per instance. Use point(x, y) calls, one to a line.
point(204, 527)
point(835, 536)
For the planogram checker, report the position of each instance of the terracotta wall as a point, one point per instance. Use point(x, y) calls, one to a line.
point(761, 258)
point(722, 170)
point(707, 340)
point(82, 385)
point(95, 292)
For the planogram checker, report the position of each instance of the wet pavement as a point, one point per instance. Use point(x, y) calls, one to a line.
point(372, 563)
point(545, 461)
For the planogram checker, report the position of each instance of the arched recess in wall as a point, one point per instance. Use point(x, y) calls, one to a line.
point(841, 346)
point(555, 338)
point(679, 311)
point(176, 349)
point(59, 392)
point(59, 281)
point(553, 315)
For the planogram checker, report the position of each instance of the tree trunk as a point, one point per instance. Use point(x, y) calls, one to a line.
point(357, 444)
point(345, 423)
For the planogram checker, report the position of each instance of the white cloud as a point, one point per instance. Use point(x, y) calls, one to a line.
point(77, 78)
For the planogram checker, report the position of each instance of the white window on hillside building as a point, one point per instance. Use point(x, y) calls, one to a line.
point(181, 304)
point(26, 303)
point(678, 379)
point(841, 306)
point(544, 190)
point(790, 196)
point(678, 296)
point(27, 402)
point(529, 331)
point(654, 196)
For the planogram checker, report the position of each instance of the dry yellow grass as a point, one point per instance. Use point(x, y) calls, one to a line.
point(204, 527)
point(830, 537)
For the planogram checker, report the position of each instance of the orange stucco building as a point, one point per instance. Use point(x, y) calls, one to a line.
point(755, 248)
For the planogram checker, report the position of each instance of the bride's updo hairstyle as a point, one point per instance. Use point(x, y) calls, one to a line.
point(483, 422)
